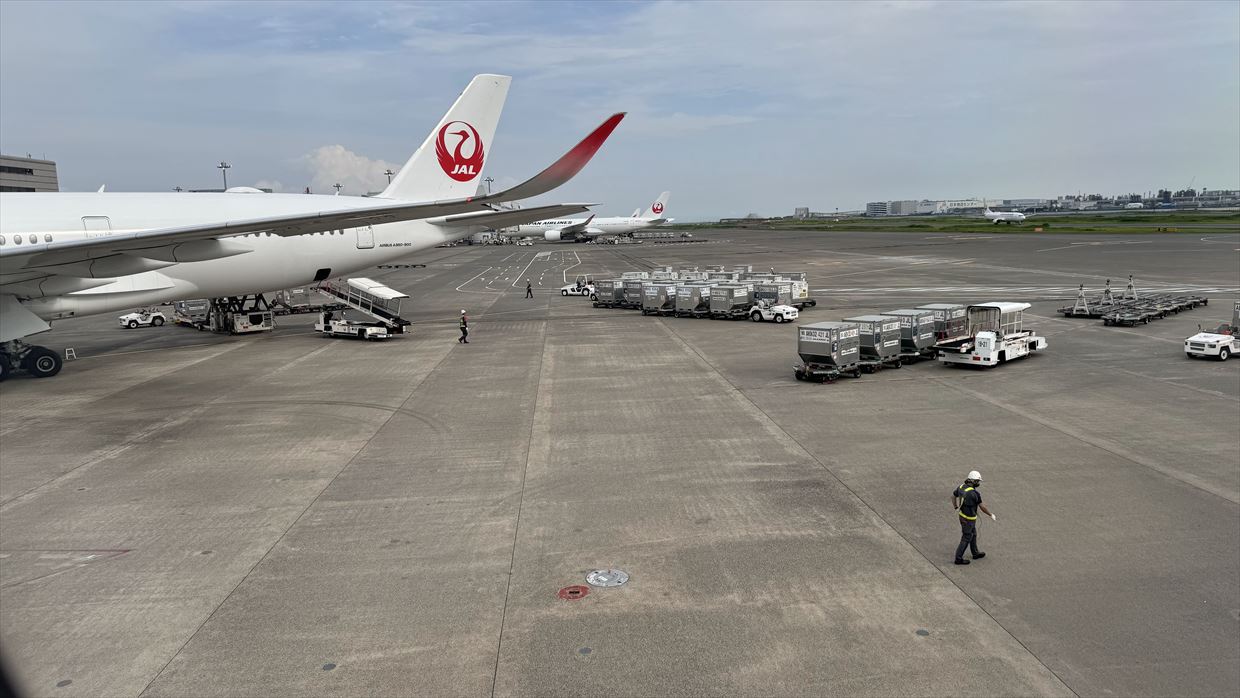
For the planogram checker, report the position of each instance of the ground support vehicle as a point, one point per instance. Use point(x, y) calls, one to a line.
point(1221, 342)
point(1219, 346)
point(371, 298)
point(302, 299)
point(996, 335)
point(338, 325)
point(765, 311)
point(608, 293)
point(731, 301)
point(577, 289)
point(147, 317)
point(828, 350)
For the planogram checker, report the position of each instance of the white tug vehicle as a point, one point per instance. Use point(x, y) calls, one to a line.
point(764, 311)
point(146, 317)
point(1221, 342)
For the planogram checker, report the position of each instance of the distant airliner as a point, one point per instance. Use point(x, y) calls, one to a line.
point(1008, 217)
point(582, 229)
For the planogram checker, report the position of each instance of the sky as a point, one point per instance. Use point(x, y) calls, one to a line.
point(735, 107)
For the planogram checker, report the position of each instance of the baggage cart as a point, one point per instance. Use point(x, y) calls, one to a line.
point(950, 319)
point(916, 333)
point(631, 293)
point(659, 298)
point(693, 299)
point(880, 341)
point(828, 350)
point(730, 301)
point(608, 293)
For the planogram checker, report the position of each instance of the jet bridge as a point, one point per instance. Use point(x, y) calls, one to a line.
point(369, 297)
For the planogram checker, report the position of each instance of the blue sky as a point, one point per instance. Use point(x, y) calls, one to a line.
point(734, 107)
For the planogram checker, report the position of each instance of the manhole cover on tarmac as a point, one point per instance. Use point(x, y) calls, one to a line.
point(607, 578)
point(574, 592)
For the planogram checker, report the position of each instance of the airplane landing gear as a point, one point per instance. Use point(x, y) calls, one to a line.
point(39, 362)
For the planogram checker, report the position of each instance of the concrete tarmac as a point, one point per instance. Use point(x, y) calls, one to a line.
point(183, 513)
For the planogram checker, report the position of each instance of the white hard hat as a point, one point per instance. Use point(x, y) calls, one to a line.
point(975, 476)
point(462, 311)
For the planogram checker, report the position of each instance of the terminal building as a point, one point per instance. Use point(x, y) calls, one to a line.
point(27, 174)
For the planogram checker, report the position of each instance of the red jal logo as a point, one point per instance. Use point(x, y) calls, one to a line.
point(456, 164)
point(657, 207)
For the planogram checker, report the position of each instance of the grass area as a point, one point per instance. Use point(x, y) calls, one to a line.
point(1118, 223)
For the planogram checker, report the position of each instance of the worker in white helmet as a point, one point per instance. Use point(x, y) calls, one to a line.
point(966, 500)
point(464, 325)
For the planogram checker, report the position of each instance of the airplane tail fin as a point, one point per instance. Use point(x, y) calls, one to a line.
point(637, 213)
point(448, 165)
point(656, 209)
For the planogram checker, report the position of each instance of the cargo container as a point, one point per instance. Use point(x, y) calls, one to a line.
point(608, 293)
point(880, 339)
point(773, 292)
point(800, 295)
point(694, 275)
point(792, 275)
point(731, 301)
point(659, 298)
point(693, 299)
point(916, 331)
point(635, 275)
point(631, 293)
point(950, 320)
point(664, 275)
point(828, 350)
point(723, 276)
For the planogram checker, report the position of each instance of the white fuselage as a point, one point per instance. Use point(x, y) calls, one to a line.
point(1004, 216)
point(272, 263)
point(596, 227)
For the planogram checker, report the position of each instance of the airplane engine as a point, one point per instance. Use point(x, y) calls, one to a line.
point(552, 236)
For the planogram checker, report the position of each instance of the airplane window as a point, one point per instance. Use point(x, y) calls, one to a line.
point(33, 238)
point(17, 239)
point(1, 239)
point(47, 237)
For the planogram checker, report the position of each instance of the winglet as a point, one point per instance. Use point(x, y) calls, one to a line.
point(561, 170)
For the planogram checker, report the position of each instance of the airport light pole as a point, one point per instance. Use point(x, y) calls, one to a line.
point(488, 180)
point(389, 174)
point(223, 168)
point(338, 186)
point(177, 189)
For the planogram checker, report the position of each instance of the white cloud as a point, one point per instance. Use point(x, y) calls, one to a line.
point(335, 164)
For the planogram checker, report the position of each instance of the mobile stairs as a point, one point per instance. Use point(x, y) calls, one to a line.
point(369, 297)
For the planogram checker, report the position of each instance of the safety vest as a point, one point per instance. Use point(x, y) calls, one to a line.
point(962, 514)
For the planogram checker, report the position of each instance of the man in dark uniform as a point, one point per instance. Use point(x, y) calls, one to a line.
point(529, 289)
point(966, 500)
point(464, 339)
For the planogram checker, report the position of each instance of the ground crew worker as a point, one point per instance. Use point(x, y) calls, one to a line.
point(464, 339)
point(966, 500)
point(529, 290)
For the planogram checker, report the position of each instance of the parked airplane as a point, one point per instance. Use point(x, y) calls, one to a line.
point(67, 255)
point(582, 229)
point(1008, 217)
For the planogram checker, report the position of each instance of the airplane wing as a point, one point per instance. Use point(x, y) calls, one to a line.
point(503, 219)
point(161, 243)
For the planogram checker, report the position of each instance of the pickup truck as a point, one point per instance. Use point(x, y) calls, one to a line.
point(764, 311)
point(152, 318)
